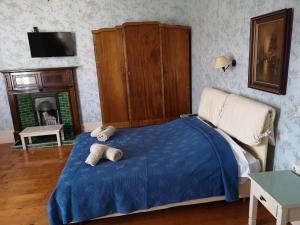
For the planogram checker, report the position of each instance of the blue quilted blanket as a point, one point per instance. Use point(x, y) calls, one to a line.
point(181, 160)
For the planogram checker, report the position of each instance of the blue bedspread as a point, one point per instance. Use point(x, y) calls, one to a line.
point(181, 160)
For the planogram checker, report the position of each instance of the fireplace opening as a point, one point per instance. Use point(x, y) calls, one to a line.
point(46, 108)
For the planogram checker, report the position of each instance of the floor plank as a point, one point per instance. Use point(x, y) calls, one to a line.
point(28, 178)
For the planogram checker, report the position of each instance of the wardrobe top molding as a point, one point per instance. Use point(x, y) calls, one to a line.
point(140, 23)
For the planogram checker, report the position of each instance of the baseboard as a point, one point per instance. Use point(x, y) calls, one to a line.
point(87, 127)
point(7, 136)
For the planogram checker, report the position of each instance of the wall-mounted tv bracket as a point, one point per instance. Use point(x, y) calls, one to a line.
point(35, 29)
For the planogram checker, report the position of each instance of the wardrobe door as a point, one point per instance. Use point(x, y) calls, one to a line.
point(144, 73)
point(176, 70)
point(110, 61)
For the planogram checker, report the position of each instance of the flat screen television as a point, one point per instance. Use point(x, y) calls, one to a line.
point(52, 44)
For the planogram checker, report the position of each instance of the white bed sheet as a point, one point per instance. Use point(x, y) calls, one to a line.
point(247, 163)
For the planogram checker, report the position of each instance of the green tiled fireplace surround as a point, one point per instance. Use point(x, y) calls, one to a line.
point(65, 114)
point(28, 117)
point(26, 113)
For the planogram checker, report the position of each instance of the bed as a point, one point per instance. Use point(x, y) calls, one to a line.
point(186, 161)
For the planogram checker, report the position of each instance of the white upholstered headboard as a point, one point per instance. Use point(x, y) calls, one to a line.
point(260, 151)
point(248, 121)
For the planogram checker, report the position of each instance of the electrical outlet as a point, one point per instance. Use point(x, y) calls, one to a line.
point(296, 168)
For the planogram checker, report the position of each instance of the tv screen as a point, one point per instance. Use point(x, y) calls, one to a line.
point(51, 44)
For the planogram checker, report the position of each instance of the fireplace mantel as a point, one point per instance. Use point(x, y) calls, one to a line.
point(41, 80)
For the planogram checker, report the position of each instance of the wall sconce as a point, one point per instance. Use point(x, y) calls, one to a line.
point(224, 63)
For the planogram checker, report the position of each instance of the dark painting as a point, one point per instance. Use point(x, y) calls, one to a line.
point(269, 51)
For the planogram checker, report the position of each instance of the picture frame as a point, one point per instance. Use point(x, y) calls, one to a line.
point(269, 51)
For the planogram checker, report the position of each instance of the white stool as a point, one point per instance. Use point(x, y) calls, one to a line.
point(42, 131)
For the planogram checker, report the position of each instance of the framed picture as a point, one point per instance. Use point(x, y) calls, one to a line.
point(270, 40)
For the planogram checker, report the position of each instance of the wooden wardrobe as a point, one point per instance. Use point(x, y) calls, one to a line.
point(143, 73)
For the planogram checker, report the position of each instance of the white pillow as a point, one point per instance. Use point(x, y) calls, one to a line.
point(211, 104)
point(247, 163)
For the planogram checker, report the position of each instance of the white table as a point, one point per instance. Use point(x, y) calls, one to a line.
point(279, 192)
point(42, 131)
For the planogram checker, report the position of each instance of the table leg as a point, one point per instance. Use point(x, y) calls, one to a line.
point(25, 153)
point(62, 134)
point(282, 216)
point(30, 140)
point(58, 138)
point(23, 143)
point(252, 210)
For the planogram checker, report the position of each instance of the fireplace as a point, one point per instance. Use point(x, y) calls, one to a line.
point(46, 96)
point(46, 109)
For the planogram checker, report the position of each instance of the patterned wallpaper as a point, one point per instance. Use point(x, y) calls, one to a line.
point(218, 27)
point(223, 27)
point(19, 16)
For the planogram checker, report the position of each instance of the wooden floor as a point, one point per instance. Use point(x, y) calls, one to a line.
point(28, 178)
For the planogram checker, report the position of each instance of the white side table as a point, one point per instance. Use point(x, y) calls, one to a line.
point(279, 192)
point(42, 131)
